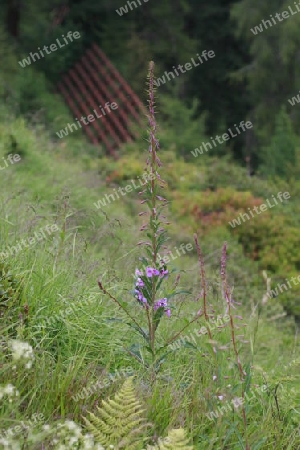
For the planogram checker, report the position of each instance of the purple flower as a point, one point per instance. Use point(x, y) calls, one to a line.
point(140, 297)
point(140, 282)
point(138, 273)
point(150, 271)
point(164, 273)
point(162, 303)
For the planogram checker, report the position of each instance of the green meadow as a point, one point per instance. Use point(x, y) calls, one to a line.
point(150, 301)
point(83, 348)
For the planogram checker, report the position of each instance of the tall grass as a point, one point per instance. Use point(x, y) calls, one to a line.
point(80, 335)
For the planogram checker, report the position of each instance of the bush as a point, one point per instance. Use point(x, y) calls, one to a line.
point(16, 138)
point(35, 95)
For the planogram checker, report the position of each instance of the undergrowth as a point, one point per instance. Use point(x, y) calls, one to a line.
point(63, 380)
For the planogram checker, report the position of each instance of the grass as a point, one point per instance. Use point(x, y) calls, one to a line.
point(79, 335)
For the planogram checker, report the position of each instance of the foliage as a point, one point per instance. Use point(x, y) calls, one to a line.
point(225, 99)
point(175, 440)
point(213, 208)
point(272, 75)
point(150, 279)
point(129, 41)
point(119, 422)
point(16, 138)
point(279, 158)
point(37, 102)
point(77, 336)
point(9, 60)
point(234, 86)
point(10, 298)
point(182, 130)
point(82, 345)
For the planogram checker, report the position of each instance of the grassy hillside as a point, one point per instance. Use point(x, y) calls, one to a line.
point(50, 299)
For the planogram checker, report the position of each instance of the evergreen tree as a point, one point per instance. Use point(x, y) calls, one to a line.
point(279, 158)
point(273, 76)
point(225, 98)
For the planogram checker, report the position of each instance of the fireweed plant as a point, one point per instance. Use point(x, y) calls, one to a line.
point(150, 276)
point(245, 377)
point(152, 271)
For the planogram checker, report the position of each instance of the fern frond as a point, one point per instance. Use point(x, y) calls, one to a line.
point(120, 421)
point(176, 440)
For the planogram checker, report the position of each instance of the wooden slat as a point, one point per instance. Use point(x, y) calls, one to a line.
point(118, 77)
point(83, 106)
point(74, 109)
point(118, 91)
point(79, 67)
point(115, 120)
point(95, 79)
point(93, 105)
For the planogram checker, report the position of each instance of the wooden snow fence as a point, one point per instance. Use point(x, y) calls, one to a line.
point(88, 86)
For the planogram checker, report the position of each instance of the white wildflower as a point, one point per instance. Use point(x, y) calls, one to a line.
point(87, 442)
point(73, 426)
point(72, 441)
point(10, 391)
point(22, 351)
point(9, 444)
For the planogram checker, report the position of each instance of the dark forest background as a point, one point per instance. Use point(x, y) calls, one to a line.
point(251, 77)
